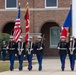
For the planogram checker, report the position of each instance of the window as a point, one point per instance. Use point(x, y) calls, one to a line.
point(54, 36)
point(51, 3)
point(10, 4)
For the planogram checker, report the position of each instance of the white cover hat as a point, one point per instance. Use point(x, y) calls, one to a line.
point(30, 37)
point(39, 37)
point(11, 37)
point(19, 39)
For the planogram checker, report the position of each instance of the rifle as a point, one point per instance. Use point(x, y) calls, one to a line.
point(42, 40)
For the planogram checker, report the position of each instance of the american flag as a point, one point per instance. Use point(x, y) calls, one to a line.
point(27, 29)
point(67, 24)
point(17, 28)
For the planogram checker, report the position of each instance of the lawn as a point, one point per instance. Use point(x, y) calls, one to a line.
point(4, 66)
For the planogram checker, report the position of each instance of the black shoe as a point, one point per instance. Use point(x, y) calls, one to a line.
point(62, 69)
point(40, 69)
point(11, 69)
point(29, 69)
point(20, 69)
point(72, 69)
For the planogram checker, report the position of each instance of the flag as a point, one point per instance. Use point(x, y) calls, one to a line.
point(27, 22)
point(67, 24)
point(17, 28)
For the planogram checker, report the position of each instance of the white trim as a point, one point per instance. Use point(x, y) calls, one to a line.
point(12, 7)
point(36, 9)
point(51, 6)
point(52, 46)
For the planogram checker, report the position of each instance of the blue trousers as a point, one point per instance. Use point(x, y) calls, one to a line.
point(12, 58)
point(62, 59)
point(72, 60)
point(20, 57)
point(39, 58)
point(29, 58)
point(4, 55)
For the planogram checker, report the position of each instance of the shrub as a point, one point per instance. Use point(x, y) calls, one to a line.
point(3, 37)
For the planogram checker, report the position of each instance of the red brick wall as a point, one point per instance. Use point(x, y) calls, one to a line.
point(37, 18)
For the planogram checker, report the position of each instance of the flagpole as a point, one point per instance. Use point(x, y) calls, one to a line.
point(27, 19)
point(74, 18)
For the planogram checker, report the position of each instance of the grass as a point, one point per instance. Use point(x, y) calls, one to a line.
point(4, 66)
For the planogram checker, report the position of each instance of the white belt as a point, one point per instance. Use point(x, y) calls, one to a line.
point(12, 48)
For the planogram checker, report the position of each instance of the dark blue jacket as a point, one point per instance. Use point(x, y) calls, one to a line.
point(63, 48)
point(37, 46)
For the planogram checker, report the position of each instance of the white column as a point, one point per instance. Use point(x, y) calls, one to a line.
point(74, 18)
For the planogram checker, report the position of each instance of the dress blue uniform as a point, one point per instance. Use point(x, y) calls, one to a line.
point(62, 47)
point(29, 52)
point(20, 52)
point(4, 49)
point(39, 51)
point(12, 51)
point(71, 52)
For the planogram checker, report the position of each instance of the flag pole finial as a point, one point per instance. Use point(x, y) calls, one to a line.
point(19, 4)
point(27, 3)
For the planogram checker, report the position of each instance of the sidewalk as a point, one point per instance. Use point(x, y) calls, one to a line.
point(51, 66)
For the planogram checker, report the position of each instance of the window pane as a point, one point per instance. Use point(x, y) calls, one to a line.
point(55, 34)
point(11, 3)
point(51, 3)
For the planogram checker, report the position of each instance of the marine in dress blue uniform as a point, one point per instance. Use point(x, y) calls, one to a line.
point(29, 52)
point(20, 53)
point(62, 47)
point(39, 47)
point(12, 51)
point(71, 52)
point(4, 50)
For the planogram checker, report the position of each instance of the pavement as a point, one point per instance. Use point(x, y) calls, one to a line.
point(51, 66)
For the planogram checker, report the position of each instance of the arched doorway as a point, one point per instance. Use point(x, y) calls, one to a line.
point(51, 32)
point(8, 28)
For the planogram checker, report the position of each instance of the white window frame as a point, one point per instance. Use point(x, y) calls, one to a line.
point(52, 46)
point(11, 7)
point(51, 6)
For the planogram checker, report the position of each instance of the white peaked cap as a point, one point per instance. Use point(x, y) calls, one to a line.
point(62, 37)
point(11, 37)
point(19, 39)
point(39, 37)
point(71, 36)
point(30, 37)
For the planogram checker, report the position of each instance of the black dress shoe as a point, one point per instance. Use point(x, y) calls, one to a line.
point(72, 69)
point(40, 69)
point(20, 69)
point(62, 69)
point(29, 69)
point(11, 69)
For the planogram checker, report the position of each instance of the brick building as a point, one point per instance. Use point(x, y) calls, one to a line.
point(46, 17)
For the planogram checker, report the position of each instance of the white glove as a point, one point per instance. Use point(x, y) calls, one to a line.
point(31, 49)
point(73, 48)
point(24, 55)
point(7, 47)
point(58, 47)
point(16, 55)
point(41, 48)
point(29, 52)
